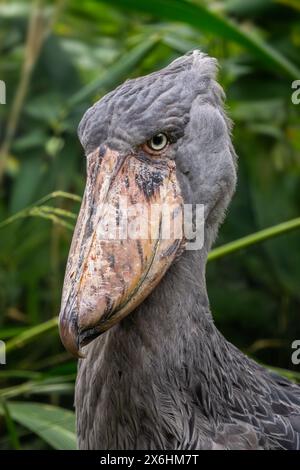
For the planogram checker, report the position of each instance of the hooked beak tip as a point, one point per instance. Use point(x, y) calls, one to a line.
point(70, 338)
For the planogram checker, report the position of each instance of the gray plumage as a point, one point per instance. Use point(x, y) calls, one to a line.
point(164, 377)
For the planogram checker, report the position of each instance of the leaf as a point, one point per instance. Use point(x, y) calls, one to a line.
point(205, 19)
point(54, 425)
point(44, 108)
point(257, 111)
point(19, 374)
point(116, 73)
point(36, 138)
point(247, 7)
point(290, 3)
point(39, 387)
point(14, 10)
point(23, 193)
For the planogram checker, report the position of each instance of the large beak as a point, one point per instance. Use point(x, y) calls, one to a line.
point(120, 248)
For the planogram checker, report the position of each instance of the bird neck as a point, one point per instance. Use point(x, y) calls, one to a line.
point(172, 339)
point(161, 367)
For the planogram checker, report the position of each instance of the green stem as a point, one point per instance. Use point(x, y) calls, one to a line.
point(55, 194)
point(11, 429)
point(30, 334)
point(254, 238)
point(36, 209)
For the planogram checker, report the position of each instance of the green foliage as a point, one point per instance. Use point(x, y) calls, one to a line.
point(54, 425)
point(205, 19)
point(57, 58)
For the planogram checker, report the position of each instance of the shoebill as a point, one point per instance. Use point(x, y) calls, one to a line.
point(154, 372)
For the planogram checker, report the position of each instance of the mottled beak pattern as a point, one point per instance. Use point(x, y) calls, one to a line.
point(109, 271)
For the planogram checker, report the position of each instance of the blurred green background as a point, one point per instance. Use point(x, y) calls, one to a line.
point(56, 59)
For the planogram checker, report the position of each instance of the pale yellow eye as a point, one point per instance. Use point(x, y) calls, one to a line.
point(158, 142)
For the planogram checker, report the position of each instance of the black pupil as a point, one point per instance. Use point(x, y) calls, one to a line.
point(158, 140)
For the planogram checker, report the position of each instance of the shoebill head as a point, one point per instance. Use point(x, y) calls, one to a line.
point(159, 141)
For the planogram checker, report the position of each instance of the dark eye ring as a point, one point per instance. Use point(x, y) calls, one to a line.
point(157, 143)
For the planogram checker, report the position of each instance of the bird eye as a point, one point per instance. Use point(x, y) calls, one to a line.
point(157, 143)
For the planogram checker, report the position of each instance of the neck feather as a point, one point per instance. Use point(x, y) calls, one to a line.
point(172, 337)
point(162, 367)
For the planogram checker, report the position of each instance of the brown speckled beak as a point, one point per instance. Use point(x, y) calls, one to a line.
point(109, 273)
